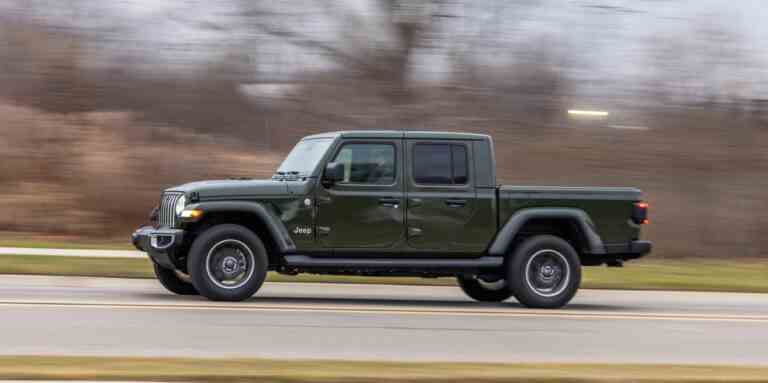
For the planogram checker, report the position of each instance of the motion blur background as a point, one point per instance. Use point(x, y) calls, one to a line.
point(104, 103)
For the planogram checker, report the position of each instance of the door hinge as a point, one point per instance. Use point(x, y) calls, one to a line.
point(321, 200)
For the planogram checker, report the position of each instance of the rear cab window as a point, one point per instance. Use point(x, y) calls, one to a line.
point(440, 164)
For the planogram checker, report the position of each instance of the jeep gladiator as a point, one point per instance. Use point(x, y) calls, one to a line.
point(391, 203)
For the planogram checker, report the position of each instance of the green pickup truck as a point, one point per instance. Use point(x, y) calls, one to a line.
point(391, 203)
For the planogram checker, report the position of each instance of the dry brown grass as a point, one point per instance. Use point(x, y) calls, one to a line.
point(295, 371)
point(99, 173)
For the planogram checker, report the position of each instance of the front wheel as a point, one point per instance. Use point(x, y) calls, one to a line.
point(544, 272)
point(227, 263)
point(483, 290)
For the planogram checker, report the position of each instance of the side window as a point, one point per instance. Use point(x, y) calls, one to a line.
point(372, 164)
point(440, 164)
point(459, 156)
point(432, 164)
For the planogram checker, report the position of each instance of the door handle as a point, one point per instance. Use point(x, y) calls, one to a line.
point(456, 202)
point(390, 202)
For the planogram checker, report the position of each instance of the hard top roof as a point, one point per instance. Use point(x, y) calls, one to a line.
point(431, 135)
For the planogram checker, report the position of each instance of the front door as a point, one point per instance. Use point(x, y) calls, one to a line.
point(441, 197)
point(365, 210)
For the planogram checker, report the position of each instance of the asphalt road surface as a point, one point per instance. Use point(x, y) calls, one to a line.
point(122, 317)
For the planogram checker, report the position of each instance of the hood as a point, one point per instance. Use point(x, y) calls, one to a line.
point(234, 188)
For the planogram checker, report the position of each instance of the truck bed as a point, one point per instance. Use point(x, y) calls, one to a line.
point(608, 207)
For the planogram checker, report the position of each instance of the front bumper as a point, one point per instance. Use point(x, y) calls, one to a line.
point(160, 244)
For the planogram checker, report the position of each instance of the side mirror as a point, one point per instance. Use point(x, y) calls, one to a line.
point(334, 172)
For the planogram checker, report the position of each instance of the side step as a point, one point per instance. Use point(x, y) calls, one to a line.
point(388, 263)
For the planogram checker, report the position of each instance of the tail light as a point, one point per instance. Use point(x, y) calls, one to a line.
point(640, 213)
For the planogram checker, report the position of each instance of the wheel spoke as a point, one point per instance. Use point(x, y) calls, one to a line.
point(228, 264)
point(547, 273)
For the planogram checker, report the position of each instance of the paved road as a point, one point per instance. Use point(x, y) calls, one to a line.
point(87, 316)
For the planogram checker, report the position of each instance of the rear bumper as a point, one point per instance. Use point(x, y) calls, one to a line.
point(629, 250)
point(616, 253)
point(160, 244)
point(640, 248)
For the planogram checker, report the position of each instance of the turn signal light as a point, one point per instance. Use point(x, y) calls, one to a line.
point(192, 214)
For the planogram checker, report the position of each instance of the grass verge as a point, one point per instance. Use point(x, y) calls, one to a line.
point(743, 275)
point(264, 370)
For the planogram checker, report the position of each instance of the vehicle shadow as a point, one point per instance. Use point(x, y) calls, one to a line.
point(424, 303)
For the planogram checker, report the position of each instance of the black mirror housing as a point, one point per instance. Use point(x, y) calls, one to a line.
point(334, 172)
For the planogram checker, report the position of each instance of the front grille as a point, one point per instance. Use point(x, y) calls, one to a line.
point(167, 214)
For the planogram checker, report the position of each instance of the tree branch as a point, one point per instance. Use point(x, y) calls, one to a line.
point(302, 40)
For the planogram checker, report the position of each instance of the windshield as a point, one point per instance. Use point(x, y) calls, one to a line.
point(304, 157)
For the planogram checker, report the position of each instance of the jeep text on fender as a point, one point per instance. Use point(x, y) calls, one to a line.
point(391, 203)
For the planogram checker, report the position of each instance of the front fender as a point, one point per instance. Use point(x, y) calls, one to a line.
point(507, 233)
point(262, 212)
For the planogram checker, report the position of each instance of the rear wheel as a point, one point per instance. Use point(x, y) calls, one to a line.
point(171, 281)
point(227, 263)
point(483, 290)
point(544, 272)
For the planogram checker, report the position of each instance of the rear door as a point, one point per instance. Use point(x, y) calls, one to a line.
point(440, 194)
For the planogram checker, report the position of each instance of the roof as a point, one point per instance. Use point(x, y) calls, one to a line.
point(401, 134)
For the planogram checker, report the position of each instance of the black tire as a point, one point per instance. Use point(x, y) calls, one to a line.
point(544, 272)
point(484, 291)
point(227, 251)
point(172, 282)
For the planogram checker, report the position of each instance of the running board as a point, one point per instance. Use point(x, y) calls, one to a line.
point(384, 263)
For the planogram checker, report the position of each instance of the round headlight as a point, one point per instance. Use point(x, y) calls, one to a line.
point(180, 204)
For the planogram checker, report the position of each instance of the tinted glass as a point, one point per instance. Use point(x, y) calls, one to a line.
point(459, 164)
point(367, 163)
point(440, 164)
point(432, 164)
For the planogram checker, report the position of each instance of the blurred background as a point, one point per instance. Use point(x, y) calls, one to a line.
point(105, 103)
